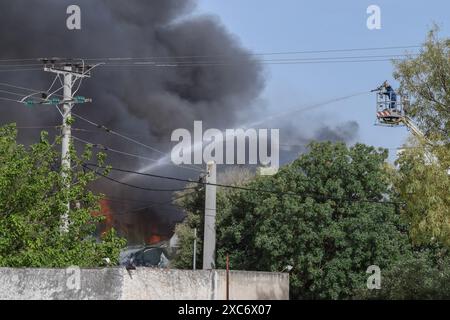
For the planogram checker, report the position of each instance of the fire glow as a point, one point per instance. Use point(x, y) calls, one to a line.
point(105, 211)
point(153, 239)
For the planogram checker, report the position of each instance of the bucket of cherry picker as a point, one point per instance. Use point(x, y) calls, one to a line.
point(390, 109)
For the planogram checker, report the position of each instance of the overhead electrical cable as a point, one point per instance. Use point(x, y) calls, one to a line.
point(135, 186)
point(113, 132)
point(120, 59)
point(237, 187)
point(105, 148)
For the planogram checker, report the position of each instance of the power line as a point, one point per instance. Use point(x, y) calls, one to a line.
point(277, 115)
point(7, 99)
point(19, 87)
point(132, 185)
point(179, 65)
point(40, 127)
point(33, 91)
point(12, 93)
point(291, 59)
point(149, 204)
point(20, 65)
point(225, 55)
point(21, 95)
point(180, 61)
point(104, 148)
point(18, 60)
point(102, 127)
point(237, 187)
point(225, 64)
point(153, 204)
point(314, 58)
point(288, 145)
point(91, 131)
point(16, 70)
point(123, 200)
point(256, 54)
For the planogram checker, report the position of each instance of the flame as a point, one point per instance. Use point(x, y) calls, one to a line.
point(105, 211)
point(154, 238)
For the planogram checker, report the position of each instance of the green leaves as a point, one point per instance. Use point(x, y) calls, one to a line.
point(423, 182)
point(33, 196)
point(424, 186)
point(426, 80)
point(330, 231)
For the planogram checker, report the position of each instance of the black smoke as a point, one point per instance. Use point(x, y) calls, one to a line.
point(139, 98)
point(145, 102)
point(218, 83)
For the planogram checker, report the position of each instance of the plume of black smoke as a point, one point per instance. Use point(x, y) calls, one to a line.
point(159, 99)
point(147, 102)
point(294, 140)
point(342, 132)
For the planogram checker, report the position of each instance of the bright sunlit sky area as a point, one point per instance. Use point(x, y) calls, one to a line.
point(293, 25)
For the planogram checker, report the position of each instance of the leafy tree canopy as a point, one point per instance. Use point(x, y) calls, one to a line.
point(33, 197)
point(425, 79)
point(338, 223)
point(423, 180)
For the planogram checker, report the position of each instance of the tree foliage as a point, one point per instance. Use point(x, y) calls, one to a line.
point(352, 209)
point(336, 225)
point(425, 79)
point(423, 183)
point(423, 275)
point(32, 198)
point(423, 180)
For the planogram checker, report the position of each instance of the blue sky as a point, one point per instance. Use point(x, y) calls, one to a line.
point(293, 25)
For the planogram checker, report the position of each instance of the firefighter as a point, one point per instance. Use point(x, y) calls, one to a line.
point(389, 91)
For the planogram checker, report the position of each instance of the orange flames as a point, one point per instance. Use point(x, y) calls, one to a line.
point(155, 236)
point(105, 211)
point(153, 239)
point(142, 232)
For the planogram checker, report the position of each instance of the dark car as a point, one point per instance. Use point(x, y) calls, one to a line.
point(148, 256)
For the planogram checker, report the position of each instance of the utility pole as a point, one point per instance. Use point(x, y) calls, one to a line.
point(194, 258)
point(227, 296)
point(209, 240)
point(66, 135)
point(71, 71)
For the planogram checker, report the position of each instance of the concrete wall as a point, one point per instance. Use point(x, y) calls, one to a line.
point(253, 285)
point(142, 283)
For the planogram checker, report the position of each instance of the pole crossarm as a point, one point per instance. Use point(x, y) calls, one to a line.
point(57, 101)
point(63, 72)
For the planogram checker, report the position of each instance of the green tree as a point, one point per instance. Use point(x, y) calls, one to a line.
point(329, 218)
point(32, 198)
point(425, 79)
point(423, 180)
point(423, 275)
point(423, 183)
